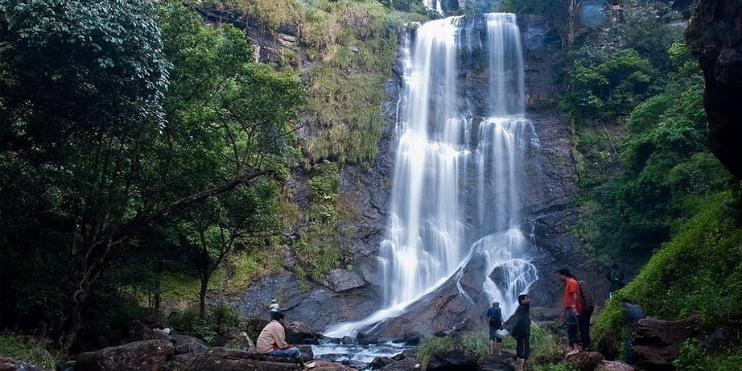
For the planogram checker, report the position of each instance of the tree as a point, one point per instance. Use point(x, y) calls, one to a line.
point(216, 227)
point(93, 152)
point(82, 84)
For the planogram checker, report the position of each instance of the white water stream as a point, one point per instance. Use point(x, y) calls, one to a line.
point(457, 172)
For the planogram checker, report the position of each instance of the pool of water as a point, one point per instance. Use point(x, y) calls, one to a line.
point(357, 353)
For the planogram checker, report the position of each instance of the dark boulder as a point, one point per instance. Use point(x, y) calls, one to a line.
point(365, 339)
point(613, 366)
point(408, 364)
point(715, 39)
point(380, 362)
point(585, 361)
point(9, 364)
point(358, 365)
point(341, 280)
point(455, 358)
point(138, 331)
point(490, 364)
point(147, 355)
point(301, 333)
point(656, 343)
point(187, 344)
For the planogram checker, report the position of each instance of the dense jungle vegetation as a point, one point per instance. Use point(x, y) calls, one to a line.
point(145, 157)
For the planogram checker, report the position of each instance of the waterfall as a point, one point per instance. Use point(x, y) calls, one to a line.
point(458, 163)
point(433, 5)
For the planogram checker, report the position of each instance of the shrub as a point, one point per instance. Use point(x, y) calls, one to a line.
point(477, 342)
point(430, 346)
point(545, 348)
point(696, 273)
point(189, 322)
point(27, 349)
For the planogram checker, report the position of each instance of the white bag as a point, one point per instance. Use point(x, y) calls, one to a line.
point(501, 333)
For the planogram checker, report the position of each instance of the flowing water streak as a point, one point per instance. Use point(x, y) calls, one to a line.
point(504, 139)
point(434, 5)
point(425, 231)
point(440, 162)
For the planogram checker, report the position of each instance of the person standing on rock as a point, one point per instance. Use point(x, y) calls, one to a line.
point(572, 308)
point(588, 307)
point(272, 342)
point(633, 313)
point(615, 277)
point(494, 319)
point(522, 330)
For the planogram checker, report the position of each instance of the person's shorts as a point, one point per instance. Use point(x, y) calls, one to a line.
point(522, 348)
point(493, 334)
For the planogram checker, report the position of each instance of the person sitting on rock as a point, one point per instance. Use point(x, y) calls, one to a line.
point(272, 342)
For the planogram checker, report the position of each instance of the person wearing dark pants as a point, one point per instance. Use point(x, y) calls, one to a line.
point(522, 330)
point(633, 313)
point(494, 319)
point(572, 308)
point(588, 307)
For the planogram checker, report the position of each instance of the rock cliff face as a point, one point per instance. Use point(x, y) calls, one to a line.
point(549, 186)
point(715, 38)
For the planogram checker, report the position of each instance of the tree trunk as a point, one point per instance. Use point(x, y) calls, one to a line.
point(202, 297)
point(574, 5)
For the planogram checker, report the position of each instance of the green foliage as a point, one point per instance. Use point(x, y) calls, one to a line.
point(272, 14)
point(652, 32)
point(27, 349)
point(606, 89)
point(190, 322)
point(430, 346)
point(219, 319)
point(223, 317)
point(410, 6)
point(477, 342)
point(356, 43)
point(666, 169)
point(696, 273)
point(694, 358)
point(552, 367)
point(318, 249)
point(179, 286)
point(103, 163)
point(545, 349)
point(242, 268)
point(80, 102)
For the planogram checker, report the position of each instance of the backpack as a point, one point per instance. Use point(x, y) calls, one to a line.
point(588, 302)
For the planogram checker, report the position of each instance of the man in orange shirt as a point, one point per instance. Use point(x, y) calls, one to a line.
point(572, 307)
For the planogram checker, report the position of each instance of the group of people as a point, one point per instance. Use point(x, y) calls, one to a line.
point(521, 329)
point(579, 305)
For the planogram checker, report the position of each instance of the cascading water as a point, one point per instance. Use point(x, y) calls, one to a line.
point(433, 5)
point(458, 164)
